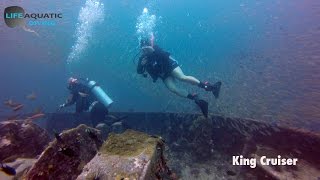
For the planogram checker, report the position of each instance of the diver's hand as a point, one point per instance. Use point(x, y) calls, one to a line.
point(143, 61)
point(62, 106)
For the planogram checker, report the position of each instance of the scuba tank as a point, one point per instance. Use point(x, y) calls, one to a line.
point(100, 94)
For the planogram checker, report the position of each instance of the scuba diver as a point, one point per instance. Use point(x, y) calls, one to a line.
point(159, 64)
point(88, 96)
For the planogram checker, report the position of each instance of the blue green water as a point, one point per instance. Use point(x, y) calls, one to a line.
point(266, 53)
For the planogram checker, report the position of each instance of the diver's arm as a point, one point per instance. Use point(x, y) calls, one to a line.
point(140, 67)
point(70, 101)
point(172, 58)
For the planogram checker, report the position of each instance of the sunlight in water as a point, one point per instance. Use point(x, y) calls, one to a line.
point(145, 24)
point(89, 16)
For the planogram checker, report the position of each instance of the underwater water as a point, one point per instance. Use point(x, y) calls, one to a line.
point(266, 53)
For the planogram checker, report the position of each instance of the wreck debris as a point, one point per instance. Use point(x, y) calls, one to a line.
point(65, 157)
point(130, 155)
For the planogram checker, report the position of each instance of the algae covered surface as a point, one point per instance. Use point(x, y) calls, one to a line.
point(130, 143)
point(130, 155)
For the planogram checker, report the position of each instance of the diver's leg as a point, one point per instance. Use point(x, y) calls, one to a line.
point(170, 84)
point(178, 74)
point(215, 88)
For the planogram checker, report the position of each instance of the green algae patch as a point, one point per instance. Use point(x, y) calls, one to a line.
point(128, 156)
point(130, 143)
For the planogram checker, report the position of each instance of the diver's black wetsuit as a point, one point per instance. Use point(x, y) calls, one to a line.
point(84, 99)
point(159, 64)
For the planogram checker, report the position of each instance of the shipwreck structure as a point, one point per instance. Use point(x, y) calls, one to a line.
point(133, 145)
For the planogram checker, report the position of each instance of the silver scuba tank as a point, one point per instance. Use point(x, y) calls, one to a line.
point(100, 94)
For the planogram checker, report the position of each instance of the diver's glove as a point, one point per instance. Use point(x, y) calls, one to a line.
point(62, 106)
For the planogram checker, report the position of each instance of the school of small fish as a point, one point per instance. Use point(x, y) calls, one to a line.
point(16, 107)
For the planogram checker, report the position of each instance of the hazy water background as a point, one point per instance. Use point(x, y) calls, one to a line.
point(266, 53)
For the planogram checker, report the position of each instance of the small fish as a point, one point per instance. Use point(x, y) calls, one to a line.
point(122, 118)
point(67, 151)
point(36, 116)
point(175, 144)
point(10, 103)
point(112, 117)
point(57, 136)
point(91, 134)
point(116, 118)
point(158, 137)
point(18, 107)
point(231, 173)
point(31, 96)
point(154, 136)
point(8, 170)
point(83, 94)
point(119, 123)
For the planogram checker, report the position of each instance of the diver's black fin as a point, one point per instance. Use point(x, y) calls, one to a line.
point(203, 106)
point(216, 89)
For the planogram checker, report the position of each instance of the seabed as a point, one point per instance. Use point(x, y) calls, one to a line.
point(138, 145)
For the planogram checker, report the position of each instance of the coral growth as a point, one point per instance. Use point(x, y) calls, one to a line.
point(19, 139)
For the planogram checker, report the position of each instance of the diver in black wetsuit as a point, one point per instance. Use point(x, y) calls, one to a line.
point(159, 64)
point(88, 97)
